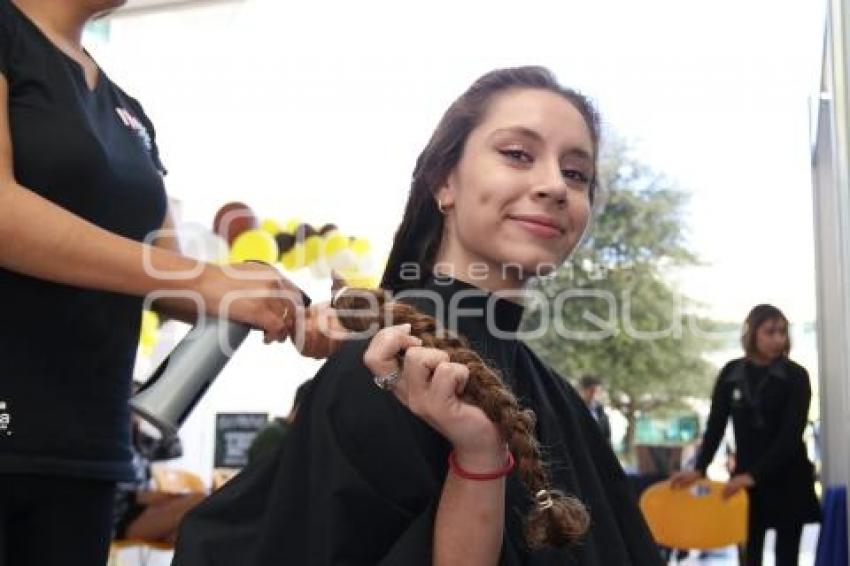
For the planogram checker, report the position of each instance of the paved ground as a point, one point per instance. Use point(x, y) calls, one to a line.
point(729, 557)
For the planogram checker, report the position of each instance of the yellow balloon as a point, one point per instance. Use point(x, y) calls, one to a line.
point(294, 258)
point(149, 333)
point(354, 278)
point(150, 319)
point(335, 242)
point(360, 246)
point(271, 226)
point(254, 245)
point(291, 225)
point(364, 282)
point(312, 249)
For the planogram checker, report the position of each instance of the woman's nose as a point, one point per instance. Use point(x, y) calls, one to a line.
point(552, 186)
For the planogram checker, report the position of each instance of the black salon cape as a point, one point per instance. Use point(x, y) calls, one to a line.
point(358, 479)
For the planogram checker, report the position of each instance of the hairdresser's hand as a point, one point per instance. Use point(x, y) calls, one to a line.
point(430, 386)
point(318, 332)
point(253, 293)
point(736, 484)
point(685, 478)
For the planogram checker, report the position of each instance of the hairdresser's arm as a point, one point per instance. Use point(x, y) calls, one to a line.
point(469, 525)
point(43, 240)
point(171, 307)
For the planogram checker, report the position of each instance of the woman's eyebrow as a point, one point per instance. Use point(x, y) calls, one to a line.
point(534, 135)
point(580, 154)
point(521, 131)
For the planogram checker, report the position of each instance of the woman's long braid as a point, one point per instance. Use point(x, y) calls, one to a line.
point(555, 519)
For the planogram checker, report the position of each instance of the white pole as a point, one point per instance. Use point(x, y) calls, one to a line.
point(831, 182)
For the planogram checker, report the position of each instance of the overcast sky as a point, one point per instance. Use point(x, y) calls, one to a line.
point(317, 110)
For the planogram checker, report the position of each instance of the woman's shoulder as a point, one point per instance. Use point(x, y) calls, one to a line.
point(10, 22)
point(9, 16)
point(794, 366)
point(732, 370)
point(794, 370)
point(547, 372)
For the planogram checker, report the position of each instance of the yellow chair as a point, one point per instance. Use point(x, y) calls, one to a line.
point(221, 476)
point(172, 480)
point(696, 517)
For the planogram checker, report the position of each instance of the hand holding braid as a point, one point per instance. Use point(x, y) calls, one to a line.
point(556, 519)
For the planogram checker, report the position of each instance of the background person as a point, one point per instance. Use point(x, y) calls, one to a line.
point(590, 388)
point(767, 396)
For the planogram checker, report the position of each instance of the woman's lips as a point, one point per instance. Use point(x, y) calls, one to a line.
point(538, 228)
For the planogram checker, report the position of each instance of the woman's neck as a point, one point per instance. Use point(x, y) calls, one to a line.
point(454, 260)
point(60, 20)
point(762, 360)
point(480, 278)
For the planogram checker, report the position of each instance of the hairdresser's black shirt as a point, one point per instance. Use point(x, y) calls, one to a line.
point(358, 478)
point(66, 354)
point(769, 407)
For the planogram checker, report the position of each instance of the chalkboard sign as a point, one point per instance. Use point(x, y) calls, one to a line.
point(234, 433)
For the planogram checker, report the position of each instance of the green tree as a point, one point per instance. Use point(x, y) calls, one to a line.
point(614, 310)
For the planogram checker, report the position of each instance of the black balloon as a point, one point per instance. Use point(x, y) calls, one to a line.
point(285, 242)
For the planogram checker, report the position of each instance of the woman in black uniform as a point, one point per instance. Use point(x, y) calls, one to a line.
point(768, 396)
point(501, 193)
point(80, 190)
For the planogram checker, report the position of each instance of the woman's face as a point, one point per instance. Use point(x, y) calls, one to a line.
point(518, 201)
point(771, 338)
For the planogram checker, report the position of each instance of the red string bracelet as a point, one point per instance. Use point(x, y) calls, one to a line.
point(494, 475)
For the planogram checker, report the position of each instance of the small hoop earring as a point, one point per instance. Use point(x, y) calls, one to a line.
point(440, 207)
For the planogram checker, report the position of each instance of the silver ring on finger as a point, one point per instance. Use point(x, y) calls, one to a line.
point(388, 381)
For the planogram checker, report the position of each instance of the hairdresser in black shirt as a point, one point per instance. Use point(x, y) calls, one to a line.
point(80, 191)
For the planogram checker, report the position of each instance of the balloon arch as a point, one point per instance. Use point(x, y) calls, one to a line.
point(237, 235)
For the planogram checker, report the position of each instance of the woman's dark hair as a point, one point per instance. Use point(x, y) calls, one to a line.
point(418, 237)
point(758, 316)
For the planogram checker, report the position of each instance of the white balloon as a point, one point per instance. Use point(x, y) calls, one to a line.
point(343, 259)
point(199, 242)
point(320, 269)
point(365, 264)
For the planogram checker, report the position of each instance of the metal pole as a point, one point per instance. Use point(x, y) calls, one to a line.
point(831, 183)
